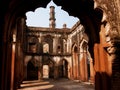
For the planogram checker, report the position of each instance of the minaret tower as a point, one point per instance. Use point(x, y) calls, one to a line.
point(52, 17)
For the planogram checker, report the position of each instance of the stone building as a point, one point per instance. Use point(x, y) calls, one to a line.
point(57, 52)
point(101, 20)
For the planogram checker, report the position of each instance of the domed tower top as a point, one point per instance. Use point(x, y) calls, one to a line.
point(64, 25)
point(52, 17)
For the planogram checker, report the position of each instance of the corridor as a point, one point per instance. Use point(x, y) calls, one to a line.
point(61, 84)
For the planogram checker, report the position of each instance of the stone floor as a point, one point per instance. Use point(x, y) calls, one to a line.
point(61, 84)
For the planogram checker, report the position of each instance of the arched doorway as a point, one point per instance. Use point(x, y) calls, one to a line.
point(63, 69)
point(48, 68)
point(84, 61)
point(32, 71)
point(88, 69)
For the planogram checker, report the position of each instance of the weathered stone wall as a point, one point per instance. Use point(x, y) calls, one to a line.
point(111, 10)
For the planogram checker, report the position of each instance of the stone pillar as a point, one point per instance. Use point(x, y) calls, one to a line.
point(113, 49)
point(83, 62)
point(75, 66)
point(19, 61)
point(40, 70)
point(18, 65)
point(39, 74)
point(98, 82)
point(92, 72)
point(12, 66)
point(114, 57)
point(56, 74)
point(83, 67)
point(79, 65)
point(72, 68)
point(55, 44)
point(96, 57)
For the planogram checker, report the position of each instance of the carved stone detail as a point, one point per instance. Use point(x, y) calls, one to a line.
point(111, 9)
point(111, 15)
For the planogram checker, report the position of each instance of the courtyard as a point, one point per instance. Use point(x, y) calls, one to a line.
point(60, 84)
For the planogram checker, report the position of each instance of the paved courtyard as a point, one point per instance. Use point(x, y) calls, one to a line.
point(61, 84)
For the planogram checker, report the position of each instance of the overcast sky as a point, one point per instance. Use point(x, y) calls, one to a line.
point(40, 17)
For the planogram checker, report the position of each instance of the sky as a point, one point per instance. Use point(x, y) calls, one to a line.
point(40, 17)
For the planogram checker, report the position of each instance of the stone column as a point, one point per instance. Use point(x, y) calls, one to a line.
point(19, 61)
point(12, 66)
point(55, 44)
point(92, 72)
point(40, 70)
point(114, 57)
point(56, 74)
point(113, 49)
point(98, 80)
point(72, 69)
point(85, 72)
point(79, 65)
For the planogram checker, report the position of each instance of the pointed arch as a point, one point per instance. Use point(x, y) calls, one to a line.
point(74, 47)
point(63, 68)
point(32, 69)
point(75, 61)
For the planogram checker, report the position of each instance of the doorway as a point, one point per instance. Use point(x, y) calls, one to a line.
point(32, 71)
point(63, 69)
point(45, 71)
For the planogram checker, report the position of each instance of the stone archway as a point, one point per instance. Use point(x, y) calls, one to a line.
point(84, 61)
point(32, 71)
point(63, 69)
point(11, 12)
point(49, 68)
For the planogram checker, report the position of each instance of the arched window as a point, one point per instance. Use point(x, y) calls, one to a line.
point(32, 44)
point(45, 48)
point(59, 49)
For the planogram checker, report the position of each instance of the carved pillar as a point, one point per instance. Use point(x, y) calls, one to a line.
point(116, 67)
point(111, 20)
point(114, 56)
point(113, 49)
